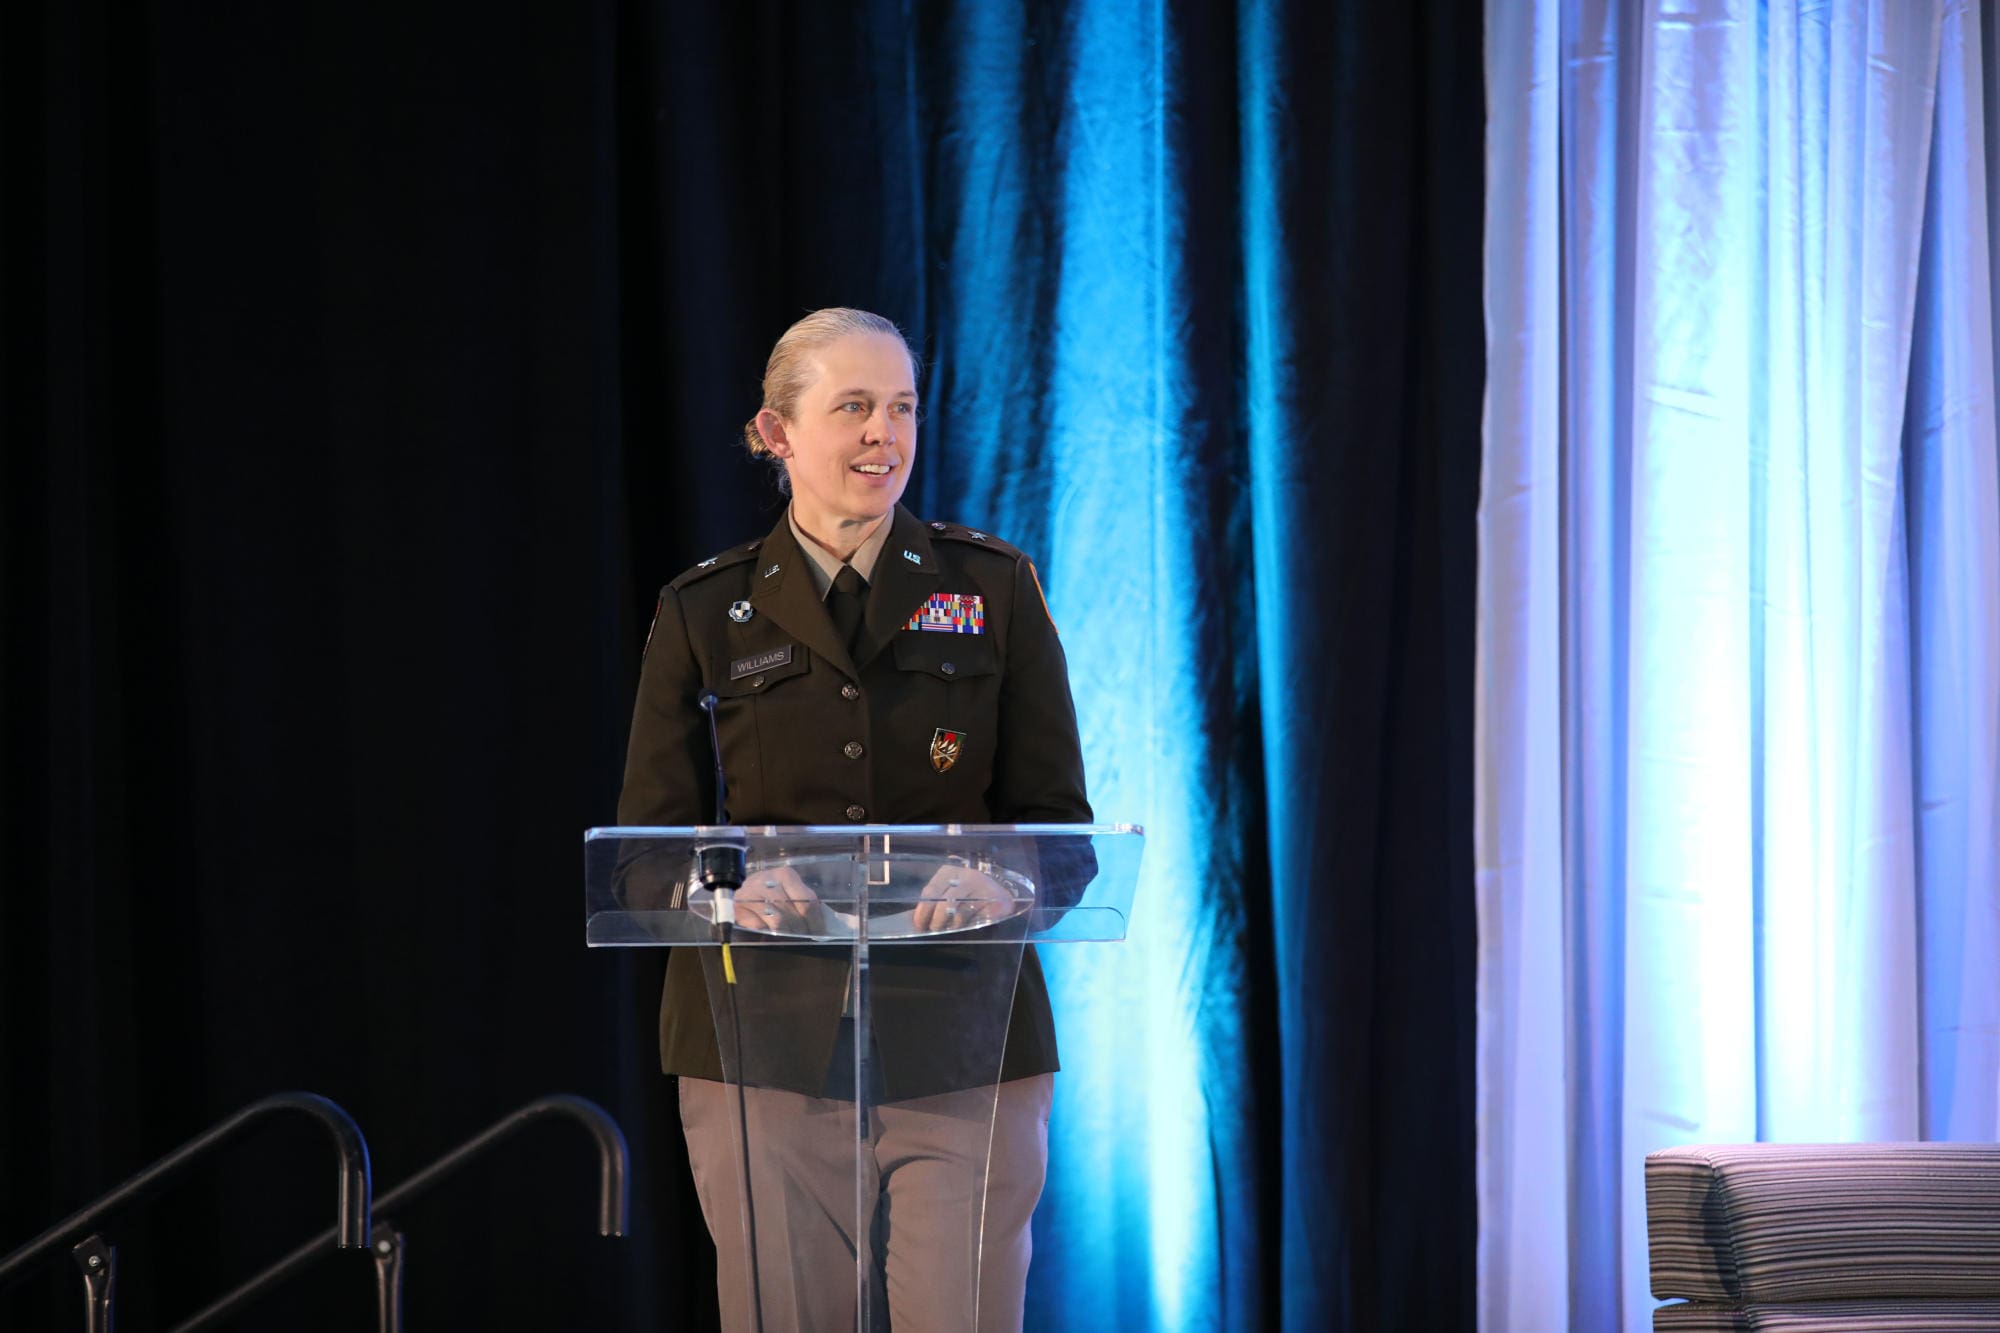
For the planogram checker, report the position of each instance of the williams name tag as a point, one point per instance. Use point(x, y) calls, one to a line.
point(750, 666)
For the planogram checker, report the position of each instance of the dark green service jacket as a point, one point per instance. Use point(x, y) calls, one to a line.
point(810, 736)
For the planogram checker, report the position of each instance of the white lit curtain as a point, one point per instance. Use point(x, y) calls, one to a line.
point(1739, 609)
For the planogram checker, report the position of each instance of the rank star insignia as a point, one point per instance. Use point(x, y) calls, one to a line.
point(945, 747)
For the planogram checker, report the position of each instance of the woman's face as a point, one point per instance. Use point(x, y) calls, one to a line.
point(853, 435)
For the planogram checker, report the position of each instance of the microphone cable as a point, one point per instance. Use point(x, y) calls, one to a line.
point(719, 874)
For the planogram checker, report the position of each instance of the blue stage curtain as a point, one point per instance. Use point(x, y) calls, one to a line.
point(1202, 311)
point(1739, 609)
point(366, 374)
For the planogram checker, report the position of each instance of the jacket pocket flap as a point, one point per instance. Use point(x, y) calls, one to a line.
point(946, 656)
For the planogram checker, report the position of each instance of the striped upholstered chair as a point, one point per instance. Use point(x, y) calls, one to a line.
point(1825, 1238)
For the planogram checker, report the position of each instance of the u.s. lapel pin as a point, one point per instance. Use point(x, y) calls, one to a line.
point(913, 557)
point(740, 612)
point(772, 570)
point(945, 748)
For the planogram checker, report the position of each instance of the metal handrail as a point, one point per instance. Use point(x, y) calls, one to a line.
point(350, 1230)
point(613, 1195)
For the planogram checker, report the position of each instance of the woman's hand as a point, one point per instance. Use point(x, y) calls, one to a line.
point(775, 899)
point(959, 896)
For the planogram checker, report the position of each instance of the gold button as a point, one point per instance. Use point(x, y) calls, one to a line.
point(850, 691)
point(852, 749)
point(856, 813)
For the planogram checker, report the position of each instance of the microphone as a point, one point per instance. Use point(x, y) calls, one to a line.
point(720, 866)
point(708, 701)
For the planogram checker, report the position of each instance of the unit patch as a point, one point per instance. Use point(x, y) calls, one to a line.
point(653, 625)
point(750, 666)
point(951, 613)
point(945, 747)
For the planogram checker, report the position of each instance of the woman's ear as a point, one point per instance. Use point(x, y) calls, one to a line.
point(772, 428)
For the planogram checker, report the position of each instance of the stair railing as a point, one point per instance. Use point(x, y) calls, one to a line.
point(613, 1203)
point(97, 1259)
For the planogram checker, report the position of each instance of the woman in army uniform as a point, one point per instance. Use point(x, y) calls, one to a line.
point(830, 708)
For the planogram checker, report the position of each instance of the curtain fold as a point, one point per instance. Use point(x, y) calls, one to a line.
point(1765, 449)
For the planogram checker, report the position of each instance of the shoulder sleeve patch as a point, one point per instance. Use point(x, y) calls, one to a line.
point(655, 624)
point(1045, 598)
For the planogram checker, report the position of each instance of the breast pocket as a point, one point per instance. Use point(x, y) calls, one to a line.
point(950, 658)
point(753, 694)
point(946, 710)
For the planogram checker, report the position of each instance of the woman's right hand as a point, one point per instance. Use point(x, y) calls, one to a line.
point(775, 899)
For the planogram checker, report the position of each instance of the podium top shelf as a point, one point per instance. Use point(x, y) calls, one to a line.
point(839, 884)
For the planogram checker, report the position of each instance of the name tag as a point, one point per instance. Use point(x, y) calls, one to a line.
point(750, 666)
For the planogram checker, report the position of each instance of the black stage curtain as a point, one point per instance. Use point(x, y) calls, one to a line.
point(364, 374)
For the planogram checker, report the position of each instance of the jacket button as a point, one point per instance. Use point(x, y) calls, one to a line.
point(949, 669)
point(850, 691)
point(852, 749)
point(757, 684)
point(856, 813)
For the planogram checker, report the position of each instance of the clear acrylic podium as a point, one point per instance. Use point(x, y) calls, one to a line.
point(860, 976)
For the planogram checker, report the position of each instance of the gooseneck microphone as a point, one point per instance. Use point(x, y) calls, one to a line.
point(708, 701)
point(721, 866)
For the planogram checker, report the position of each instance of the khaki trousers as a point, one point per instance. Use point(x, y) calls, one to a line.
point(920, 1168)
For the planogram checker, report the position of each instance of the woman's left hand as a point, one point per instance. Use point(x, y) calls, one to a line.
point(958, 897)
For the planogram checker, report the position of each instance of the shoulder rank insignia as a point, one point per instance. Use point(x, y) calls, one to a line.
point(951, 613)
point(945, 748)
point(702, 569)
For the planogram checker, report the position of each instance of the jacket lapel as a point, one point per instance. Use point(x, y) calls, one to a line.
point(781, 587)
point(906, 574)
